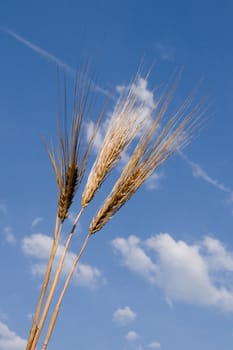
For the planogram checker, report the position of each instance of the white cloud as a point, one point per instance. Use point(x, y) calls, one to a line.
point(140, 89)
point(9, 340)
point(124, 316)
point(192, 273)
point(132, 336)
point(217, 256)
point(9, 236)
point(154, 345)
point(134, 258)
point(184, 273)
point(36, 221)
point(38, 246)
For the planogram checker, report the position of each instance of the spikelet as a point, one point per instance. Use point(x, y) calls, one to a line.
point(125, 123)
point(69, 165)
point(68, 192)
point(152, 150)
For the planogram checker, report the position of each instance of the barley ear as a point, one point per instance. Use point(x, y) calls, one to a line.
point(124, 125)
point(152, 150)
point(70, 160)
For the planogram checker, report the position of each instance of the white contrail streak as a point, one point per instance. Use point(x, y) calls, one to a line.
point(52, 59)
point(40, 51)
point(199, 172)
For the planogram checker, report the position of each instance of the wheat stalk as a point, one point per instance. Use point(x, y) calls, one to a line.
point(54, 283)
point(69, 169)
point(34, 328)
point(154, 147)
point(66, 284)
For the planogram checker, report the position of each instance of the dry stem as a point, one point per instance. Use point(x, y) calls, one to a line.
point(33, 331)
point(58, 305)
point(55, 281)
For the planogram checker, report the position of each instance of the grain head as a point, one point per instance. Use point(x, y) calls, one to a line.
point(69, 163)
point(126, 121)
point(155, 146)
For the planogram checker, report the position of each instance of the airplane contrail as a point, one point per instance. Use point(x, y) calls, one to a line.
point(51, 58)
point(40, 51)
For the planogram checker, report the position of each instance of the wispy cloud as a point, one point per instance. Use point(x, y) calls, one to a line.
point(9, 340)
point(36, 221)
point(199, 172)
point(9, 236)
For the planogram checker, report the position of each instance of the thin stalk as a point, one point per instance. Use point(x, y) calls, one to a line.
point(57, 308)
point(33, 330)
point(55, 281)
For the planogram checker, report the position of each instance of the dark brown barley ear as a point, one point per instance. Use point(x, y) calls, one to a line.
point(68, 192)
point(69, 163)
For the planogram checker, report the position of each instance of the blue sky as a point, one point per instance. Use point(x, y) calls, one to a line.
point(160, 274)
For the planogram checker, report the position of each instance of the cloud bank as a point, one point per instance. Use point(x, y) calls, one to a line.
point(192, 273)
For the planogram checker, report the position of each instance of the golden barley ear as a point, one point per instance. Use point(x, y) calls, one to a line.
point(124, 125)
point(155, 146)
